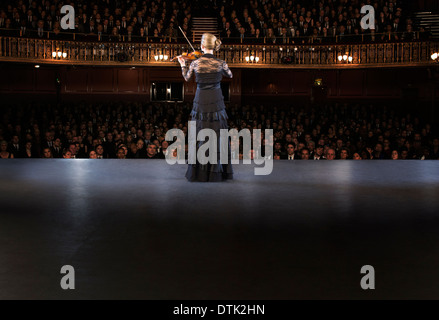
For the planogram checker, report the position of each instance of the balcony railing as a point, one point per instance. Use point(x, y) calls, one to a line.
point(253, 55)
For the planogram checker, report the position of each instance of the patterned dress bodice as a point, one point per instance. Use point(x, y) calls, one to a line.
point(208, 70)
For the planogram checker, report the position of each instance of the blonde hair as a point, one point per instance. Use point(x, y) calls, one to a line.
point(210, 42)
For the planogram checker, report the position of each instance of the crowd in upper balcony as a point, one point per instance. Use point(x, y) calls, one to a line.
point(317, 21)
point(247, 21)
point(99, 20)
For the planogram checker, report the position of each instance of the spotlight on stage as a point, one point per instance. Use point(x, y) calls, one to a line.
point(435, 57)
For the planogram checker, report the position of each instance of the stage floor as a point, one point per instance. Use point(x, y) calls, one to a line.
point(136, 229)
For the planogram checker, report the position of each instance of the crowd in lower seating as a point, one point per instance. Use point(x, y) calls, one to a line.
point(137, 131)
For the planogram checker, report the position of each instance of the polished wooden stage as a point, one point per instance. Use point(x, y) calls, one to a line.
point(136, 229)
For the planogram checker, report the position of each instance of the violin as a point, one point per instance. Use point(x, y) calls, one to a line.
point(194, 55)
point(189, 56)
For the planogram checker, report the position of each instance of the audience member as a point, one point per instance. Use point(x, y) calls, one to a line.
point(102, 131)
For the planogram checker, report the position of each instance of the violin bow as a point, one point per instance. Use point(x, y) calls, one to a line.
point(186, 38)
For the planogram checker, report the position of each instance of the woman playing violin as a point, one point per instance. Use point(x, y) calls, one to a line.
point(209, 110)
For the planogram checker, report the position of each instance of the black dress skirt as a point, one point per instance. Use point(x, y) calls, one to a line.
point(209, 112)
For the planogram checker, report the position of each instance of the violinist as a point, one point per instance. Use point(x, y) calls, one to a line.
point(209, 110)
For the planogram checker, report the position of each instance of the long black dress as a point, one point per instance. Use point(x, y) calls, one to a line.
point(209, 111)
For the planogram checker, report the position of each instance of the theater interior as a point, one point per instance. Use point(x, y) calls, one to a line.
point(134, 228)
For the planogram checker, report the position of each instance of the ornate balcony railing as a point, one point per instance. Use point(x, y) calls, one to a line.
point(259, 55)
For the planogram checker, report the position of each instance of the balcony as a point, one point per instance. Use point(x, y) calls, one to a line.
point(290, 55)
